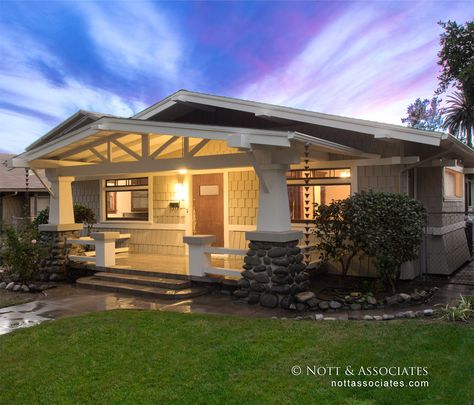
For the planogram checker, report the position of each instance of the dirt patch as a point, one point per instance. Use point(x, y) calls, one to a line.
point(9, 298)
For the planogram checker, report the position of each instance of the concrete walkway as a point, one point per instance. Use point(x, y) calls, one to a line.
point(67, 300)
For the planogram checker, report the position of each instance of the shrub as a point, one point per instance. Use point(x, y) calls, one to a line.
point(332, 230)
point(21, 252)
point(462, 311)
point(388, 227)
point(385, 226)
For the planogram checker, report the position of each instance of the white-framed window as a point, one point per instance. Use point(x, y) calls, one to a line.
point(127, 199)
point(453, 183)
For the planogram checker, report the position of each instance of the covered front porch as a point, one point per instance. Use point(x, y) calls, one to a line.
point(167, 184)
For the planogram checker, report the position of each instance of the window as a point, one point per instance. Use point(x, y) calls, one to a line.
point(302, 198)
point(127, 199)
point(453, 183)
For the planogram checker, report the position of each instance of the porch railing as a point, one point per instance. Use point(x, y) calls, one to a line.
point(105, 250)
point(200, 256)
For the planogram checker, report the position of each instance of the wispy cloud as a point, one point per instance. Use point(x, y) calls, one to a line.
point(366, 63)
point(35, 103)
point(137, 38)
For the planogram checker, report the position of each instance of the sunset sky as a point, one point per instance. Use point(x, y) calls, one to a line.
point(360, 59)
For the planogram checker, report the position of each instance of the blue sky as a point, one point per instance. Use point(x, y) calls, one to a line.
point(361, 59)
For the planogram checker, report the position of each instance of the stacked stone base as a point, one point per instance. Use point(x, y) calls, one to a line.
point(54, 266)
point(274, 273)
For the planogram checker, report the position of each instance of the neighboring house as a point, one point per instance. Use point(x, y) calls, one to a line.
point(16, 191)
point(240, 170)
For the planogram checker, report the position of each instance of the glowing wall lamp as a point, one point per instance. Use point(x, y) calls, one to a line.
point(179, 195)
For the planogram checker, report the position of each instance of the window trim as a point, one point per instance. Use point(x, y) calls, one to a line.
point(457, 170)
point(105, 189)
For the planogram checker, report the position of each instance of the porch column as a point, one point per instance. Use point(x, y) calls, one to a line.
point(274, 272)
point(61, 210)
point(273, 207)
point(59, 228)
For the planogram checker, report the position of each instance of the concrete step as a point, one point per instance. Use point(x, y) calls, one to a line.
point(97, 283)
point(147, 273)
point(151, 281)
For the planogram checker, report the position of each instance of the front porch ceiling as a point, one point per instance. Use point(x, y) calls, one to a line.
point(115, 143)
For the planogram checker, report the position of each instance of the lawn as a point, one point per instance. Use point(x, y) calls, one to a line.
point(141, 357)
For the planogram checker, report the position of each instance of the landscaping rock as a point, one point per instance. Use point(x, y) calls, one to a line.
point(241, 293)
point(253, 298)
point(400, 315)
point(301, 306)
point(402, 297)
point(304, 296)
point(377, 318)
point(269, 300)
point(335, 304)
point(323, 305)
point(313, 302)
point(10, 285)
point(3, 285)
point(428, 312)
point(286, 301)
point(387, 317)
point(329, 318)
point(16, 288)
point(356, 307)
point(368, 318)
point(318, 317)
point(25, 288)
point(416, 296)
point(371, 300)
point(393, 300)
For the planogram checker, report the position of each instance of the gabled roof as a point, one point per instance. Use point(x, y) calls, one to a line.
point(14, 179)
point(377, 129)
point(75, 121)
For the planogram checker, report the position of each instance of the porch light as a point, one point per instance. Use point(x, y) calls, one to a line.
point(179, 192)
point(182, 171)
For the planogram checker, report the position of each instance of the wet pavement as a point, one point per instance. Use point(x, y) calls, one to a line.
point(67, 300)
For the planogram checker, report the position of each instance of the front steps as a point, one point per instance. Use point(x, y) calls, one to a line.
point(141, 283)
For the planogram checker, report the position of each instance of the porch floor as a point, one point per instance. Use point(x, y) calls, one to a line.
point(171, 264)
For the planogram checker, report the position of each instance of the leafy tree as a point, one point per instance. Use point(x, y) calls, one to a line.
point(426, 114)
point(459, 118)
point(333, 235)
point(456, 56)
point(388, 227)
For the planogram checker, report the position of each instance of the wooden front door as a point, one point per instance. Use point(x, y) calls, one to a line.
point(208, 206)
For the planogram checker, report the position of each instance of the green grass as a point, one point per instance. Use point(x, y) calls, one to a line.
point(141, 357)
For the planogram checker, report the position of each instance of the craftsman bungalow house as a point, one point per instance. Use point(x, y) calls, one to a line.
point(198, 164)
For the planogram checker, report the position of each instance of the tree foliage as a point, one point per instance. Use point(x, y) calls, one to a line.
point(456, 56)
point(459, 118)
point(385, 226)
point(82, 214)
point(425, 114)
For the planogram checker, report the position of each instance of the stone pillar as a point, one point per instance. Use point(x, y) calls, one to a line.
point(54, 238)
point(274, 270)
point(60, 227)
